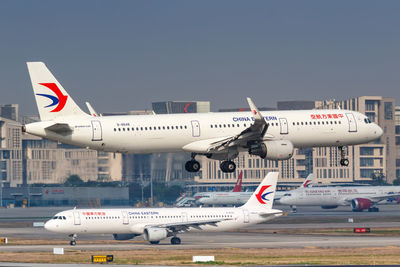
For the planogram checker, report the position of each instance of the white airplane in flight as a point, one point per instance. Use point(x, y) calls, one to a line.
point(221, 136)
point(330, 197)
point(239, 198)
point(160, 223)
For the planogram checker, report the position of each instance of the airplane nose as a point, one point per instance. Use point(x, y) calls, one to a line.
point(48, 226)
point(378, 131)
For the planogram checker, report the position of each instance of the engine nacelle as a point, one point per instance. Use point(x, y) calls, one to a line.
point(359, 204)
point(155, 234)
point(329, 207)
point(124, 236)
point(273, 150)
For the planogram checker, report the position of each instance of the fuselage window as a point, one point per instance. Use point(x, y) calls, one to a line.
point(172, 127)
point(335, 122)
point(141, 128)
point(301, 123)
point(182, 127)
point(185, 127)
point(294, 123)
point(119, 129)
point(133, 129)
point(340, 122)
point(298, 123)
point(163, 127)
point(149, 128)
point(244, 125)
point(145, 128)
point(211, 126)
point(319, 123)
point(167, 127)
point(128, 129)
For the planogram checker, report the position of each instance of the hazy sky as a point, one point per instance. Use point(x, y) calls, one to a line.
point(123, 55)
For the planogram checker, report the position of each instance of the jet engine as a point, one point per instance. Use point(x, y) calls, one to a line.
point(359, 204)
point(124, 236)
point(273, 150)
point(155, 234)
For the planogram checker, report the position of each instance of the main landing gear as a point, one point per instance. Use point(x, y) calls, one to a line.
point(175, 240)
point(194, 166)
point(343, 160)
point(73, 239)
point(227, 166)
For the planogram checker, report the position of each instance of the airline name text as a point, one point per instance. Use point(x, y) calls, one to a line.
point(267, 118)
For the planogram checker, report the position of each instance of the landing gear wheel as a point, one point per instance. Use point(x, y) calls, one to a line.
point(373, 209)
point(175, 240)
point(154, 242)
point(343, 160)
point(192, 166)
point(227, 166)
point(73, 239)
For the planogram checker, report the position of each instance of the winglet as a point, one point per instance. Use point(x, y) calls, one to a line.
point(254, 110)
point(91, 110)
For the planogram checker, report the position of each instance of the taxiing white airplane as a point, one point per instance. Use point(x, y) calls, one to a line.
point(160, 223)
point(330, 197)
point(272, 135)
point(239, 198)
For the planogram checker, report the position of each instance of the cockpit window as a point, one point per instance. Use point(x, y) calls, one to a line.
point(367, 121)
point(55, 217)
point(287, 195)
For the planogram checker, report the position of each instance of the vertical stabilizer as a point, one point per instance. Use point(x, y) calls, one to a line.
point(51, 98)
point(238, 185)
point(309, 181)
point(263, 197)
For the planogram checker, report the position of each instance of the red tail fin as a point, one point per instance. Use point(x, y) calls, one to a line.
point(238, 186)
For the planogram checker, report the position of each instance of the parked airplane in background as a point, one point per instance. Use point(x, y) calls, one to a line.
point(220, 136)
point(160, 223)
point(237, 188)
point(239, 198)
point(359, 197)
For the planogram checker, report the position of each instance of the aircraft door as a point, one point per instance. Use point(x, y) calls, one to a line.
point(284, 125)
point(125, 217)
point(352, 122)
point(246, 216)
point(77, 218)
point(195, 128)
point(184, 217)
point(97, 134)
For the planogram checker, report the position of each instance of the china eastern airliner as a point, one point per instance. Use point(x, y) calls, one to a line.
point(157, 224)
point(221, 136)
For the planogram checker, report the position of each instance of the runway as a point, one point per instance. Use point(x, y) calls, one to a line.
point(258, 236)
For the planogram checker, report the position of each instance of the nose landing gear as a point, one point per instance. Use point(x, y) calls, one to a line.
point(343, 160)
point(73, 241)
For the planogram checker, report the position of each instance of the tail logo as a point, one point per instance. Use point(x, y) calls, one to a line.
point(307, 183)
point(60, 100)
point(261, 196)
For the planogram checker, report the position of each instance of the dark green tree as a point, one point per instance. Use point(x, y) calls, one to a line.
point(74, 180)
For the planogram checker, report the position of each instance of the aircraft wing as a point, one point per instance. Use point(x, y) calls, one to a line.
point(184, 226)
point(256, 132)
